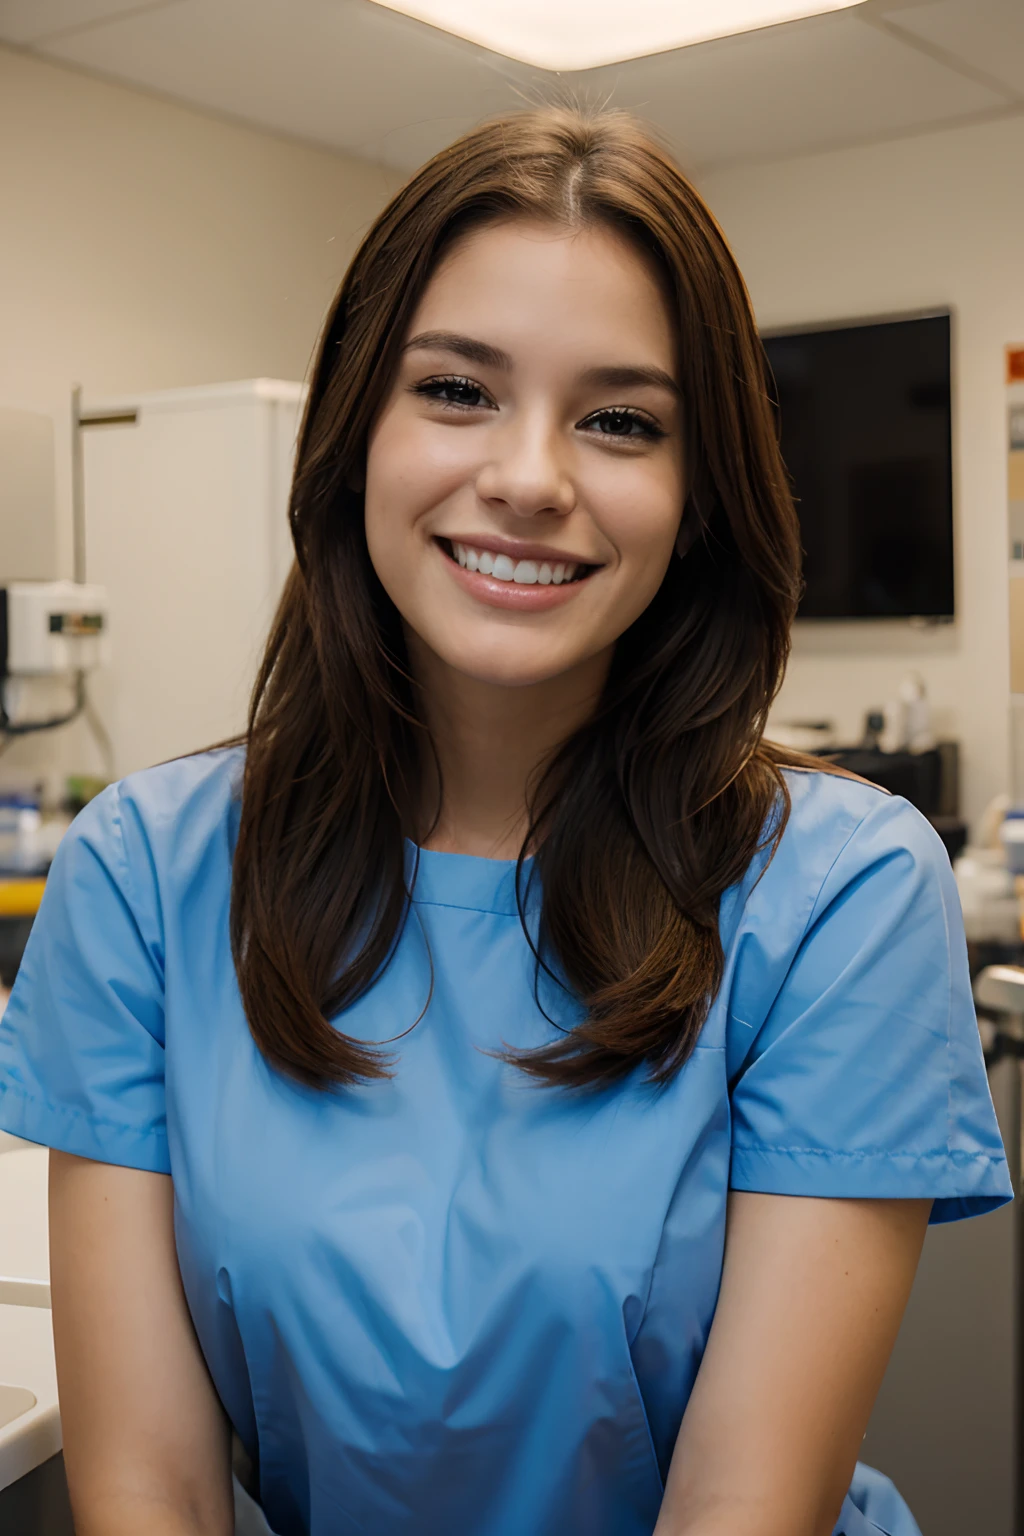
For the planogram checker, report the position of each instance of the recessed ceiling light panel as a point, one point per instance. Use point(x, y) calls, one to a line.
point(583, 34)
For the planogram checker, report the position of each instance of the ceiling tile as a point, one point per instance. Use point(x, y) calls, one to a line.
point(787, 90)
point(357, 77)
point(987, 34)
point(338, 72)
point(30, 21)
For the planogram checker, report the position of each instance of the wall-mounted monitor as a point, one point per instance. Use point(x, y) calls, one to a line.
point(865, 418)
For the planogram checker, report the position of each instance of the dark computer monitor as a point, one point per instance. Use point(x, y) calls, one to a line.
point(865, 420)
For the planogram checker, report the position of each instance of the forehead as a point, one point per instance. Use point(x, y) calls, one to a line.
point(527, 285)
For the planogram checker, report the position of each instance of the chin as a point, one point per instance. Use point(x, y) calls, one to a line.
point(496, 665)
point(505, 674)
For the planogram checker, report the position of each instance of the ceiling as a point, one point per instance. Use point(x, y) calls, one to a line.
point(353, 76)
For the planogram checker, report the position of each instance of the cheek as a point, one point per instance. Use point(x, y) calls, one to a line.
point(411, 471)
point(640, 514)
point(390, 485)
point(390, 479)
point(411, 467)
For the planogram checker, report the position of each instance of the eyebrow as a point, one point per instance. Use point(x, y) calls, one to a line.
point(627, 376)
point(463, 346)
point(613, 376)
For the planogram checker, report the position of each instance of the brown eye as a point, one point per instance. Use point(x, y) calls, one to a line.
point(452, 390)
point(623, 423)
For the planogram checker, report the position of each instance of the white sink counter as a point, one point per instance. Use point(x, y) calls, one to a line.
point(26, 1360)
point(26, 1335)
point(24, 1239)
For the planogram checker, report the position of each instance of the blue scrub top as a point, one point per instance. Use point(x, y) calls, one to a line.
point(459, 1301)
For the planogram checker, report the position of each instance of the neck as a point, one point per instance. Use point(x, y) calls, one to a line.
point(491, 740)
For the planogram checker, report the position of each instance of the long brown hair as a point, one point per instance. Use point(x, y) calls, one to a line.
point(660, 802)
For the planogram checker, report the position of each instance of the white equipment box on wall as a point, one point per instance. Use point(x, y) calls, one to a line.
point(52, 627)
point(186, 526)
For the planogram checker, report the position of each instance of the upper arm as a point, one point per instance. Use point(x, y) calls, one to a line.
point(858, 1098)
point(143, 1428)
point(855, 1064)
point(82, 1039)
point(811, 1300)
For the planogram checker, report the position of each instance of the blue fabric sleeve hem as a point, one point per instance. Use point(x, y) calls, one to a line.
point(960, 1184)
point(68, 1130)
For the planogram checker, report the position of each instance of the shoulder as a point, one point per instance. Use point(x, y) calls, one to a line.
point(852, 1052)
point(835, 820)
point(849, 851)
point(203, 786)
point(162, 823)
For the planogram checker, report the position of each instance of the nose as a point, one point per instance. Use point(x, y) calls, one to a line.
point(527, 471)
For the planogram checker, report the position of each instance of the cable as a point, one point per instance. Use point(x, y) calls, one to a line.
point(101, 737)
point(83, 706)
point(10, 729)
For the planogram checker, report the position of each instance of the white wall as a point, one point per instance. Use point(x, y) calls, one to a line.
point(934, 220)
point(146, 246)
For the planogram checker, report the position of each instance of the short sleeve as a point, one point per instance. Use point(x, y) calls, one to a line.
point(82, 1038)
point(866, 1078)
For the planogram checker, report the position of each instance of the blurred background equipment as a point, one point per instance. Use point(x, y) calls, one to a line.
point(47, 629)
point(53, 634)
point(53, 638)
point(899, 753)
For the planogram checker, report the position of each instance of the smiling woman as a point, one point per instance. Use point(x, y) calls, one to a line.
point(571, 267)
point(531, 1086)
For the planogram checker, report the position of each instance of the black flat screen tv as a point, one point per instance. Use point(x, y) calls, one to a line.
point(865, 419)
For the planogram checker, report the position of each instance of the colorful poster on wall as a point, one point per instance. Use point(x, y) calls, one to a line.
point(1015, 496)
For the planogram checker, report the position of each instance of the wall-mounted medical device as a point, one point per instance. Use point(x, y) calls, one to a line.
point(50, 632)
point(52, 628)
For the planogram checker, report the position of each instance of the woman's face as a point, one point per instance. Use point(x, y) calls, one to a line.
point(524, 479)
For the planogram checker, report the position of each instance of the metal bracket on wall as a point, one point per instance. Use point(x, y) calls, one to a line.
point(79, 420)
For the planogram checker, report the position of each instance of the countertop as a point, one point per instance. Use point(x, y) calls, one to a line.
point(26, 1335)
point(24, 1241)
point(26, 1360)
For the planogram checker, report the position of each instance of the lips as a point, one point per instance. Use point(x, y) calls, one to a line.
point(525, 579)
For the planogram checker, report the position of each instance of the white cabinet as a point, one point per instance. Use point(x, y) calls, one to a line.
point(186, 527)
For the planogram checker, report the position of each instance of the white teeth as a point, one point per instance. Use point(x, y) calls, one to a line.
point(526, 573)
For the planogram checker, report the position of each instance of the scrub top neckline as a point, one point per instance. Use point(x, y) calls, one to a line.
point(465, 880)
